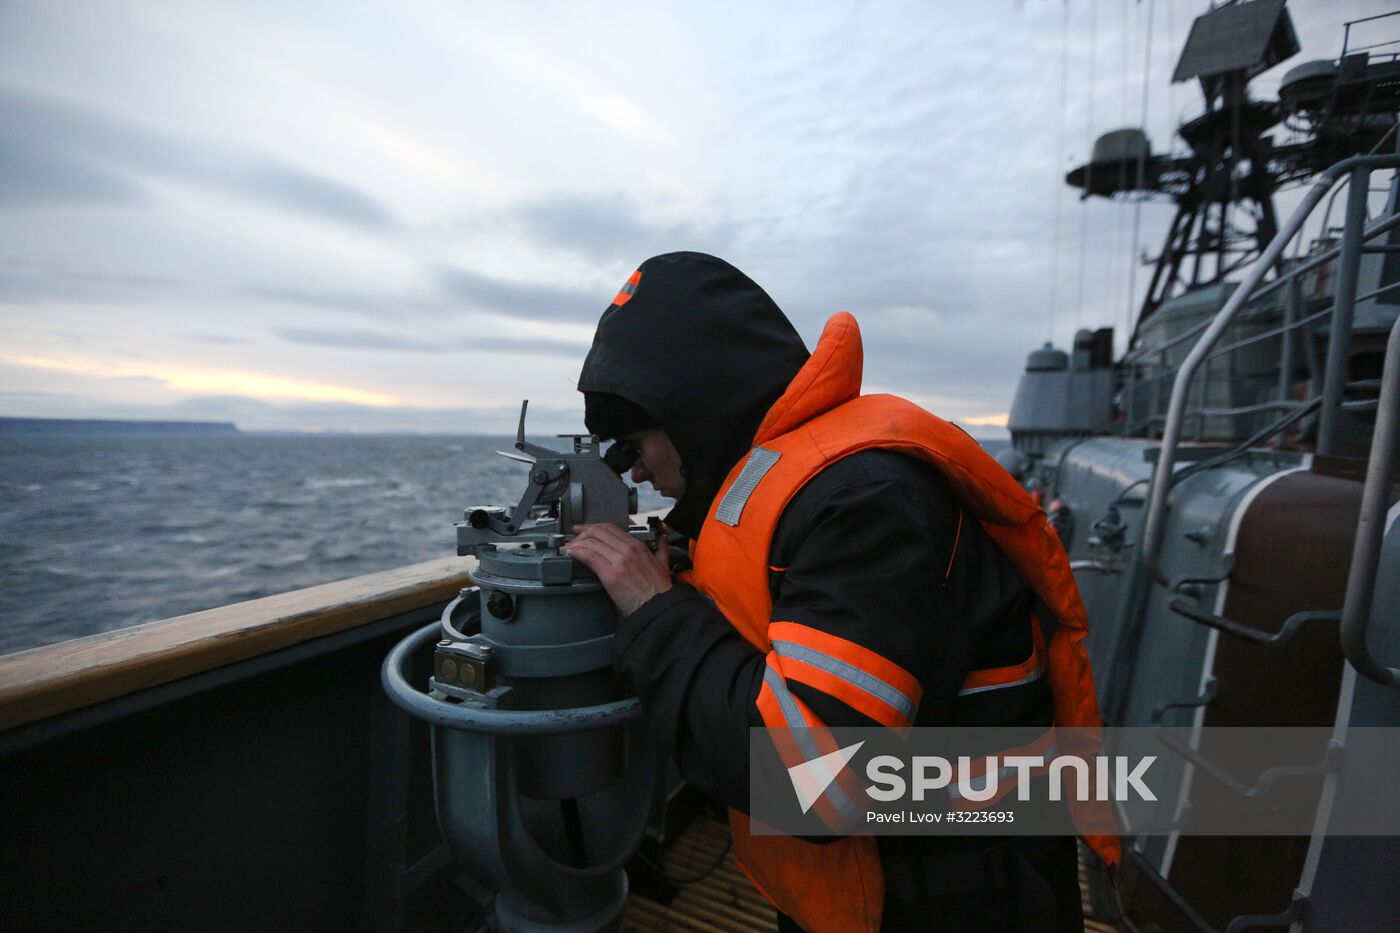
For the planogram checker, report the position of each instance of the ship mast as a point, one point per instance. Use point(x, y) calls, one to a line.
point(1223, 184)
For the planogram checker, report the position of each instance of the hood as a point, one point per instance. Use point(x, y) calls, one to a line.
point(704, 351)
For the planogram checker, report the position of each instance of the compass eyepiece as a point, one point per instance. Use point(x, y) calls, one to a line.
point(621, 456)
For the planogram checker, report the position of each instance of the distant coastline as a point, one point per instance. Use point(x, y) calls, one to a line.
point(89, 427)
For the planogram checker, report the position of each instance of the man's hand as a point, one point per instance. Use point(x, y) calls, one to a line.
point(629, 571)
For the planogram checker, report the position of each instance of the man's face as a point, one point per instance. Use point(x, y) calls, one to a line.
point(658, 462)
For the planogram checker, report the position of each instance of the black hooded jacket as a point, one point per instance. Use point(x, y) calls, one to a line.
point(871, 550)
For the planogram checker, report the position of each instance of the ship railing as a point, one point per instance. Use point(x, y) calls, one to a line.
point(1370, 532)
point(1348, 253)
point(1355, 616)
point(1348, 49)
point(1148, 370)
point(1370, 527)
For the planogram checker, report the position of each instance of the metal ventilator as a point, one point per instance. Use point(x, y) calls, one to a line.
point(541, 777)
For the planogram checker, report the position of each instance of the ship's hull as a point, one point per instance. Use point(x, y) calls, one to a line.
point(1253, 541)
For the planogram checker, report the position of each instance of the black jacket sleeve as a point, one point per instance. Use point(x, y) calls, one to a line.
point(862, 554)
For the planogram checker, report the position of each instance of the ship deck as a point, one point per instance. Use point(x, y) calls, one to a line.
point(724, 901)
point(263, 723)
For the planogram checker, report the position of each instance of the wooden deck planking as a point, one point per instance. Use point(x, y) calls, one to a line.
point(725, 902)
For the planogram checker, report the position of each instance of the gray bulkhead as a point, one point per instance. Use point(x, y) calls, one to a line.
point(1143, 653)
point(1065, 393)
point(1099, 485)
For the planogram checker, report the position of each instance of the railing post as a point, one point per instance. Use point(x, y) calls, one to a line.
point(1126, 397)
point(1204, 401)
point(1292, 312)
point(1339, 340)
point(1370, 526)
point(1157, 380)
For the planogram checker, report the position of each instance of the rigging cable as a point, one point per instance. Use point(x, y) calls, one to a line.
point(1119, 280)
point(1059, 179)
point(1088, 166)
point(1141, 182)
point(1171, 86)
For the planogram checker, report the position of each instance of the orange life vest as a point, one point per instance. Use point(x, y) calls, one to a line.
point(819, 419)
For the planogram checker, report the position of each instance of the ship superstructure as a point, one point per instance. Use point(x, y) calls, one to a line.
point(1225, 488)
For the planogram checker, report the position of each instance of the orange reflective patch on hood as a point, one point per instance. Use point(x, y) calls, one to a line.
point(629, 288)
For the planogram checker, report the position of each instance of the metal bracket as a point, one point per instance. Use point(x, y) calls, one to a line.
point(541, 478)
point(1093, 566)
point(1183, 584)
point(1293, 912)
point(1109, 546)
point(1208, 694)
point(1278, 639)
point(1331, 762)
point(522, 445)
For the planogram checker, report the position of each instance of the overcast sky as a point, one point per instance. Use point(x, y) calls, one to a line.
point(408, 216)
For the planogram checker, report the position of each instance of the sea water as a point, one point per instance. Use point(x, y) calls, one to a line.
point(98, 533)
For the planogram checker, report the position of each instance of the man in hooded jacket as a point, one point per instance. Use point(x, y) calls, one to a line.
point(874, 552)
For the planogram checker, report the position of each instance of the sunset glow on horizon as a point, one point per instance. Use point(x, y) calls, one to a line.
point(200, 381)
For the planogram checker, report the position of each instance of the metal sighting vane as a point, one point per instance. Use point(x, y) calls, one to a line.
point(566, 489)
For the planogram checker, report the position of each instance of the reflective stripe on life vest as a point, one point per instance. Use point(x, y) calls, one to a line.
point(857, 676)
point(802, 738)
point(1015, 675)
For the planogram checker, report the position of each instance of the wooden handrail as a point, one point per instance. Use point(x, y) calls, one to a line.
point(43, 682)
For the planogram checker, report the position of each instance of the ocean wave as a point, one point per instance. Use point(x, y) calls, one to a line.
point(282, 563)
point(113, 532)
point(338, 482)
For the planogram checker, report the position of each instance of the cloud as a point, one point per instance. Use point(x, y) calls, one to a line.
point(613, 226)
point(358, 340)
point(219, 339)
point(57, 152)
point(379, 305)
point(517, 299)
point(39, 174)
point(290, 188)
point(376, 340)
point(132, 281)
point(522, 56)
point(898, 166)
